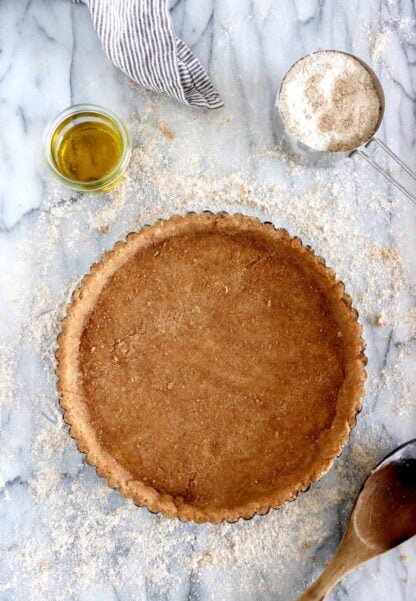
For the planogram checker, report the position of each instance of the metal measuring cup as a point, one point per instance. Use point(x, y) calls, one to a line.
point(306, 155)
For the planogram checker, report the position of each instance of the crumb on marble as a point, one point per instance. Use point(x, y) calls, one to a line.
point(379, 321)
point(166, 131)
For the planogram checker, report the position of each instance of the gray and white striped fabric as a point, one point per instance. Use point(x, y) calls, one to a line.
point(138, 37)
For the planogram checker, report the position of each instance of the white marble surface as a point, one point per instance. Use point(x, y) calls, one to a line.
point(63, 533)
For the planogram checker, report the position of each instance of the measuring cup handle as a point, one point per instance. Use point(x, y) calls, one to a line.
point(387, 175)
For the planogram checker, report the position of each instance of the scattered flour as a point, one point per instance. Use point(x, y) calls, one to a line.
point(68, 521)
point(384, 32)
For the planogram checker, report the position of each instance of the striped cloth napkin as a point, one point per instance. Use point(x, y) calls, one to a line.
point(138, 37)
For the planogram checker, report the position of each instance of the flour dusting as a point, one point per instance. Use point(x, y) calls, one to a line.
point(81, 526)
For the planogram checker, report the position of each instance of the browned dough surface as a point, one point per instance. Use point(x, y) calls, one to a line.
point(211, 366)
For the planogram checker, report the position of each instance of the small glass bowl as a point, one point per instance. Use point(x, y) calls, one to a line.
point(72, 116)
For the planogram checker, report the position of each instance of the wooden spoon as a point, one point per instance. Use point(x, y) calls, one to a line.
point(384, 516)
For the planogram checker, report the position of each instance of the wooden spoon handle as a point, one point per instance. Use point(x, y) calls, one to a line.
point(351, 553)
point(332, 574)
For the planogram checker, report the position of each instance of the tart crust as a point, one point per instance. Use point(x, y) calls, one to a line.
point(258, 325)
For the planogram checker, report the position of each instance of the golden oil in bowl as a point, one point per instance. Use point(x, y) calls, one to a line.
point(87, 147)
point(88, 150)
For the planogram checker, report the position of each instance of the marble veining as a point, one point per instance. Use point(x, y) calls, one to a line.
point(63, 533)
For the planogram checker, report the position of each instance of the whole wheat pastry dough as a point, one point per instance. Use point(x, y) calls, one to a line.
point(211, 367)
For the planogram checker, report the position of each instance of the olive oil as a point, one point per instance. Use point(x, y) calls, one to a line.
point(88, 149)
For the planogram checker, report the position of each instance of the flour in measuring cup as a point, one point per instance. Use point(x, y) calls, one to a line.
point(328, 101)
